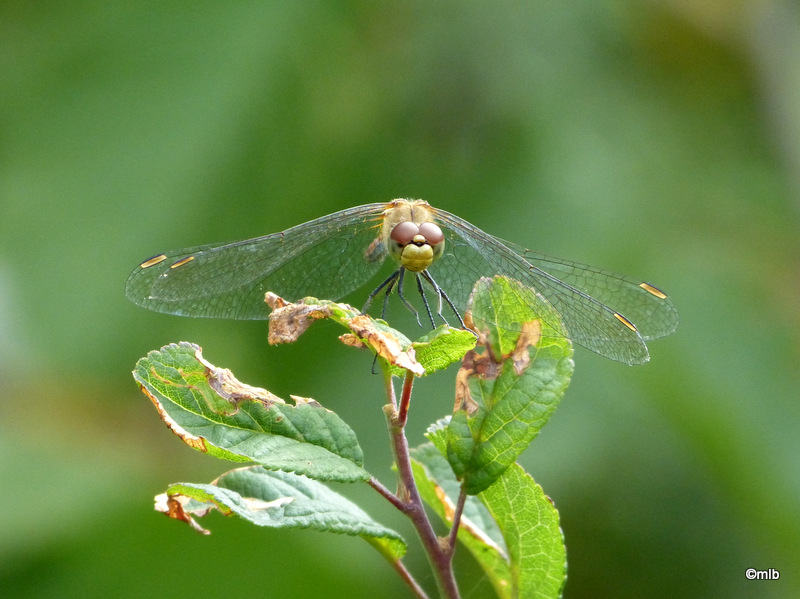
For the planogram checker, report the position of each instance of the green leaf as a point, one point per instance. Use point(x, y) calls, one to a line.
point(437, 434)
point(511, 529)
point(290, 320)
point(501, 309)
point(478, 532)
point(530, 527)
point(214, 413)
point(433, 351)
point(442, 347)
point(278, 500)
point(505, 394)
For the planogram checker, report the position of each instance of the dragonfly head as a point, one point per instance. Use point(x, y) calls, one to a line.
point(415, 246)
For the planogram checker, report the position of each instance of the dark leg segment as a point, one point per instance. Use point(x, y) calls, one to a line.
point(390, 282)
point(403, 298)
point(425, 301)
point(442, 295)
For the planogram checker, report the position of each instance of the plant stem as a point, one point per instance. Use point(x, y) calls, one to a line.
point(398, 564)
point(409, 580)
point(388, 384)
point(451, 539)
point(439, 553)
point(387, 494)
point(405, 399)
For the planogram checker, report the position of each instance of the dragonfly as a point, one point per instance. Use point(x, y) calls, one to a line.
point(331, 256)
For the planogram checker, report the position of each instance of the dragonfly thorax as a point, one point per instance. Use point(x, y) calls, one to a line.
point(414, 246)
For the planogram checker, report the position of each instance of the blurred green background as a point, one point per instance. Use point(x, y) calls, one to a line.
point(656, 139)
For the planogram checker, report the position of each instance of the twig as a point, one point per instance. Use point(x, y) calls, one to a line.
point(405, 399)
point(387, 494)
point(439, 554)
point(387, 383)
point(451, 538)
point(409, 580)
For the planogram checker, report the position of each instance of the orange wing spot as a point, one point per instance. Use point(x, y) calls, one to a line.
point(625, 321)
point(182, 262)
point(153, 261)
point(654, 290)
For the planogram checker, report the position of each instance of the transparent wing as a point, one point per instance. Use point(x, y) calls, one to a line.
point(589, 300)
point(327, 258)
point(654, 316)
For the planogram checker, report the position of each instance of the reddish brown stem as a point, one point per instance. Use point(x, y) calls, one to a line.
point(451, 539)
point(409, 580)
point(405, 399)
point(408, 500)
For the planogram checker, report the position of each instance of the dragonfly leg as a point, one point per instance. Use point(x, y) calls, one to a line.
point(386, 295)
point(442, 295)
point(390, 283)
point(455, 311)
point(425, 301)
point(403, 298)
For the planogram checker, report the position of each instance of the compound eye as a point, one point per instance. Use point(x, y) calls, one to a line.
point(403, 233)
point(432, 233)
